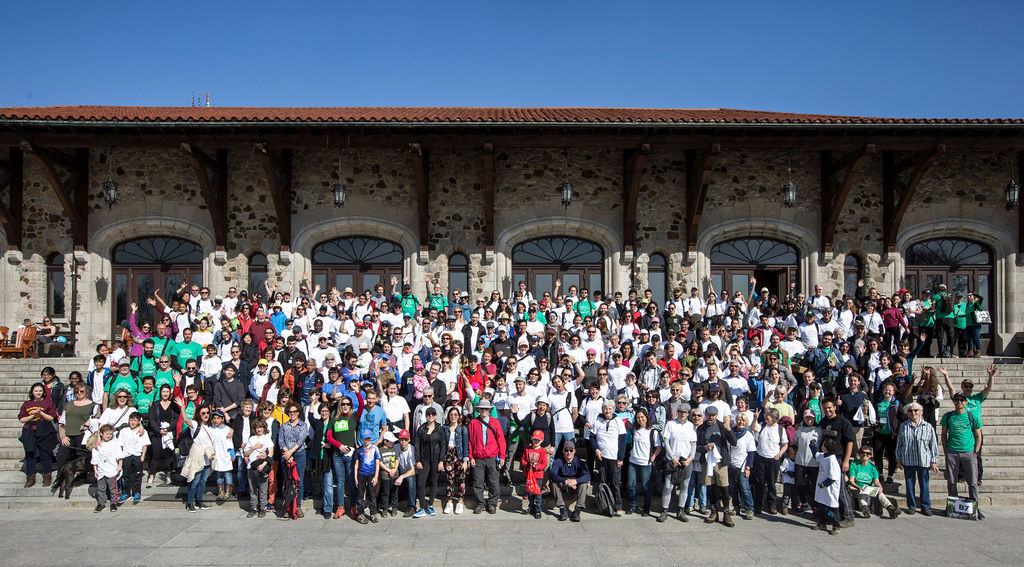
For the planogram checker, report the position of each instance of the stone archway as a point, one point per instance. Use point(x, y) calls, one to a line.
point(804, 240)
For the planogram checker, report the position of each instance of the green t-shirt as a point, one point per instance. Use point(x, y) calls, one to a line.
point(974, 406)
point(673, 324)
point(961, 428)
point(863, 475)
point(883, 416)
point(960, 313)
point(159, 345)
point(815, 404)
point(585, 308)
point(163, 377)
point(144, 366)
point(409, 304)
point(439, 301)
point(185, 351)
point(927, 316)
point(119, 382)
point(936, 301)
point(144, 400)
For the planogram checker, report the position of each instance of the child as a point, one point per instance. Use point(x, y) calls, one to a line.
point(864, 474)
point(259, 452)
point(242, 430)
point(788, 471)
point(826, 495)
point(367, 458)
point(106, 465)
point(223, 455)
point(535, 462)
point(134, 442)
point(388, 472)
point(406, 471)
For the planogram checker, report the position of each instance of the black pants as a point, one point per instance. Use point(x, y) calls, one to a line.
point(366, 493)
point(765, 475)
point(885, 449)
point(386, 491)
point(891, 339)
point(929, 336)
point(611, 474)
point(162, 460)
point(424, 477)
point(845, 503)
point(945, 334)
point(803, 492)
point(961, 342)
point(132, 474)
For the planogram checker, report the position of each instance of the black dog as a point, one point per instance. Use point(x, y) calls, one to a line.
point(68, 474)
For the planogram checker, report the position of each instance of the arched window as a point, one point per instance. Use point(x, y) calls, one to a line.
point(542, 261)
point(55, 285)
point(257, 272)
point(851, 274)
point(159, 251)
point(774, 264)
point(458, 274)
point(359, 262)
point(144, 265)
point(948, 252)
point(656, 278)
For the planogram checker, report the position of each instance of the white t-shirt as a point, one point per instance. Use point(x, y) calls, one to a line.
point(524, 403)
point(680, 440)
point(769, 442)
point(105, 457)
point(266, 440)
point(563, 419)
point(642, 450)
point(394, 408)
point(738, 453)
point(607, 432)
point(131, 442)
point(590, 409)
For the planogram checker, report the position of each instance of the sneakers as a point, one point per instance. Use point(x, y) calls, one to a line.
point(99, 508)
point(430, 510)
point(630, 511)
point(121, 498)
point(149, 482)
point(865, 511)
point(190, 507)
point(448, 508)
point(409, 513)
point(203, 505)
point(747, 515)
point(262, 514)
point(834, 531)
point(420, 513)
point(113, 507)
point(339, 513)
point(251, 514)
point(362, 519)
point(893, 512)
point(136, 499)
point(575, 516)
point(662, 517)
point(373, 518)
point(681, 516)
point(394, 511)
point(536, 516)
point(459, 508)
point(492, 510)
point(910, 511)
point(563, 514)
point(479, 509)
point(926, 511)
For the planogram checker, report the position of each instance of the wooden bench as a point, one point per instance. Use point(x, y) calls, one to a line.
point(24, 345)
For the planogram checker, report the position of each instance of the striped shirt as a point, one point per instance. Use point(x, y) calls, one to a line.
point(916, 445)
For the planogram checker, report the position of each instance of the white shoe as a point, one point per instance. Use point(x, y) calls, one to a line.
point(459, 508)
point(447, 508)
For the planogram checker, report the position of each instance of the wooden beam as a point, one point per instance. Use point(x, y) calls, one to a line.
point(421, 164)
point(897, 193)
point(489, 196)
point(834, 193)
point(212, 176)
point(1020, 216)
point(278, 169)
point(632, 167)
point(11, 214)
point(68, 188)
point(698, 175)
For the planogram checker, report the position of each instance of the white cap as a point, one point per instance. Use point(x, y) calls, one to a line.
point(389, 436)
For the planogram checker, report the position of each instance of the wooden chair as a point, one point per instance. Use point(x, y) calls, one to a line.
point(4, 331)
point(23, 347)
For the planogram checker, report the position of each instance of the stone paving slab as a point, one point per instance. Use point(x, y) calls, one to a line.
point(140, 536)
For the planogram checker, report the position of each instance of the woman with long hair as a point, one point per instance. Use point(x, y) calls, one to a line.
point(74, 424)
point(161, 421)
point(38, 435)
point(456, 462)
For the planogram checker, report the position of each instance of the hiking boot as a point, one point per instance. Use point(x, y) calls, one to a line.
point(409, 513)
point(748, 514)
point(712, 518)
point(480, 509)
point(702, 510)
point(47, 479)
point(563, 514)
point(262, 514)
point(893, 512)
point(662, 517)
point(575, 517)
point(847, 524)
point(727, 519)
point(865, 511)
point(681, 516)
point(251, 514)
point(926, 511)
point(492, 509)
point(30, 481)
point(373, 518)
point(910, 511)
point(362, 519)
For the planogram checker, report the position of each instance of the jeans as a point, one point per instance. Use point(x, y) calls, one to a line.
point(224, 477)
point(696, 493)
point(198, 486)
point(410, 486)
point(918, 476)
point(974, 338)
point(342, 477)
point(300, 466)
point(739, 490)
point(641, 473)
point(562, 438)
point(241, 474)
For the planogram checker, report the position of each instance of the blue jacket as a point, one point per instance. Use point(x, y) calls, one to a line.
point(577, 469)
point(461, 440)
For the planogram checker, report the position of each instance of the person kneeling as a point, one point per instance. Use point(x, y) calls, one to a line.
point(571, 479)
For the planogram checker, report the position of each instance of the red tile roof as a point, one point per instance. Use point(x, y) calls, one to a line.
point(456, 115)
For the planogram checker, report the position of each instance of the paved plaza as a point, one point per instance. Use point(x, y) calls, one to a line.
point(225, 537)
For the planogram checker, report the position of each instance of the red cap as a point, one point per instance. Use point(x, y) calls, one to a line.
point(403, 434)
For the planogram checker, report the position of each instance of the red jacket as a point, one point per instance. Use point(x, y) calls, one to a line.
point(495, 446)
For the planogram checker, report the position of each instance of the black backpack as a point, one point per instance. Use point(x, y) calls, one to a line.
point(605, 500)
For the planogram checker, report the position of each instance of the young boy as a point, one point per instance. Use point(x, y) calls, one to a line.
point(788, 471)
point(224, 455)
point(388, 472)
point(406, 471)
point(367, 458)
point(106, 465)
point(134, 442)
point(862, 475)
point(535, 462)
point(258, 451)
point(826, 495)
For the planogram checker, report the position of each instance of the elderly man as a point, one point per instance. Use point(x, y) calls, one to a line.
point(570, 478)
point(917, 452)
point(713, 440)
point(486, 454)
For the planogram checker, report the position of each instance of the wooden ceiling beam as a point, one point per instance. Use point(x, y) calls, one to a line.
point(699, 166)
point(834, 191)
point(212, 176)
point(278, 169)
point(897, 193)
point(72, 191)
point(632, 167)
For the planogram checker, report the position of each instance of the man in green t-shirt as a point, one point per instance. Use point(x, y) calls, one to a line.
point(944, 322)
point(185, 350)
point(165, 374)
point(584, 306)
point(145, 364)
point(862, 477)
point(961, 436)
point(974, 401)
point(123, 380)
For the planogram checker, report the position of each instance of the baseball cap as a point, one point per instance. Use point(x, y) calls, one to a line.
point(569, 445)
point(591, 351)
point(389, 436)
point(366, 434)
point(809, 413)
point(714, 387)
point(537, 435)
point(403, 434)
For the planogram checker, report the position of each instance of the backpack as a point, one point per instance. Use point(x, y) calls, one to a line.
point(942, 305)
point(605, 500)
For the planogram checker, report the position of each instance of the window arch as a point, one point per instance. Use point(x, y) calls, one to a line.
point(753, 251)
point(772, 263)
point(852, 273)
point(948, 252)
point(160, 250)
point(257, 272)
point(359, 262)
point(55, 285)
point(143, 265)
point(657, 277)
point(458, 273)
point(542, 261)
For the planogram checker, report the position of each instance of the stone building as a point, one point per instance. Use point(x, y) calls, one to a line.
point(472, 198)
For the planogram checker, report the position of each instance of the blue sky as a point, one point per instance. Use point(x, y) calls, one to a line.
point(894, 58)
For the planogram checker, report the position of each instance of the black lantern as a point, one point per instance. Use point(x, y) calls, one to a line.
point(565, 189)
point(340, 191)
point(110, 186)
point(789, 194)
point(1012, 194)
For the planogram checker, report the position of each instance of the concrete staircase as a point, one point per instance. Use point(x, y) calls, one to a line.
point(1002, 413)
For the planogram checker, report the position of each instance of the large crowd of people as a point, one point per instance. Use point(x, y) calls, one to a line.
point(362, 404)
